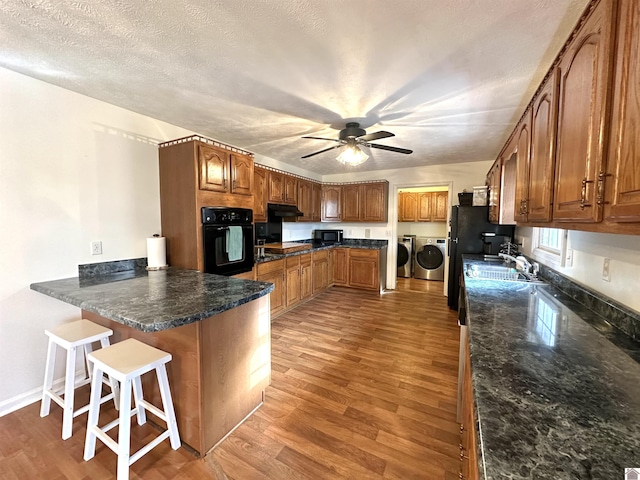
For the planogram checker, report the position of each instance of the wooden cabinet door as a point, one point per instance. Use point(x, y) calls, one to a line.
point(305, 200)
point(320, 275)
point(213, 164)
point(542, 161)
point(440, 206)
point(316, 202)
point(259, 195)
point(373, 202)
point(277, 298)
point(409, 207)
point(493, 184)
point(341, 266)
point(293, 286)
point(364, 269)
point(469, 465)
point(584, 72)
point(276, 187)
point(424, 204)
point(331, 203)
point(623, 186)
point(523, 137)
point(306, 276)
point(241, 174)
point(290, 190)
point(350, 203)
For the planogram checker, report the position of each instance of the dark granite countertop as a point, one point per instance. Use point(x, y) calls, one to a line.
point(367, 244)
point(556, 388)
point(156, 300)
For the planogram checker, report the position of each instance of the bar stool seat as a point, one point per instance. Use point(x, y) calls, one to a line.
point(126, 362)
point(71, 336)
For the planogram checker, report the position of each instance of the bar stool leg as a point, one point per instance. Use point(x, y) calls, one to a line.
point(167, 405)
point(138, 396)
point(124, 430)
point(69, 391)
point(94, 413)
point(45, 404)
point(104, 343)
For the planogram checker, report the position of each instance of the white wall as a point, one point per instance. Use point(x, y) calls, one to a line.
point(72, 170)
point(456, 177)
point(423, 229)
point(589, 252)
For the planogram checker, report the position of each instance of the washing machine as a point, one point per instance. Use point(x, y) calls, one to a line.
point(429, 258)
point(406, 245)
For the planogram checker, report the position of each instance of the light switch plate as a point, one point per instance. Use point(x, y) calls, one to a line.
point(606, 271)
point(96, 248)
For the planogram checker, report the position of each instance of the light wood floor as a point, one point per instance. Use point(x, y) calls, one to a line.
point(363, 387)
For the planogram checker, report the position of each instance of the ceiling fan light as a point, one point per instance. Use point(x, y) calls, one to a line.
point(352, 156)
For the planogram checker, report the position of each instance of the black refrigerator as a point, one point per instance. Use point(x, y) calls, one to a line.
point(467, 226)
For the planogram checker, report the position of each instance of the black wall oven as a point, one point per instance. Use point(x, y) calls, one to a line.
point(228, 240)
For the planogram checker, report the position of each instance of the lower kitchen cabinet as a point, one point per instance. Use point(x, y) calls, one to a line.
point(292, 268)
point(320, 267)
point(357, 268)
point(341, 266)
point(306, 276)
point(273, 272)
point(468, 444)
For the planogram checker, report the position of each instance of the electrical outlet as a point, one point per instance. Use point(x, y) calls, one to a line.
point(606, 272)
point(96, 248)
point(569, 258)
point(367, 233)
point(388, 233)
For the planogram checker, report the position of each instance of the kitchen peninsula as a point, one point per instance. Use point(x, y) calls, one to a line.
point(216, 328)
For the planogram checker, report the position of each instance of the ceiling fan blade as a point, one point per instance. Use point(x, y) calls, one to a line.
point(376, 136)
point(322, 151)
point(387, 147)
point(320, 138)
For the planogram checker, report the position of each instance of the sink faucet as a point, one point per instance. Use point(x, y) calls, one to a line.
point(520, 260)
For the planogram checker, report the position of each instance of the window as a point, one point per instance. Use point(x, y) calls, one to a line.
point(549, 246)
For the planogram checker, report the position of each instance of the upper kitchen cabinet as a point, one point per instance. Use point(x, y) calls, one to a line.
point(407, 206)
point(542, 158)
point(331, 203)
point(196, 172)
point(276, 187)
point(305, 200)
point(260, 188)
point(365, 202)
point(423, 206)
point(316, 202)
point(584, 76)
point(622, 177)
point(493, 186)
point(290, 190)
point(439, 209)
point(523, 140)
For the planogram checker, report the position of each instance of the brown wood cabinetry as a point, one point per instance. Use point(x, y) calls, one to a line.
point(341, 266)
point(622, 176)
point(331, 203)
point(305, 200)
point(293, 280)
point(260, 188)
point(276, 187)
point(274, 272)
point(373, 201)
point(523, 139)
point(364, 269)
point(224, 171)
point(316, 202)
point(584, 72)
point(350, 203)
point(542, 160)
point(192, 176)
point(493, 187)
point(306, 276)
point(320, 266)
point(468, 442)
point(290, 190)
point(423, 206)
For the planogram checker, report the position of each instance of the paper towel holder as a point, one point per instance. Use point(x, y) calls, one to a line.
point(155, 268)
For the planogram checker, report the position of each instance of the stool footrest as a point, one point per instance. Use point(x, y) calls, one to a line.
point(153, 443)
point(153, 409)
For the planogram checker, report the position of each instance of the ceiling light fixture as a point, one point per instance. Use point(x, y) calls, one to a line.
point(352, 155)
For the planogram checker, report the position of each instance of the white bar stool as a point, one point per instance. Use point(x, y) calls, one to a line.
point(126, 362)
point(70, 336)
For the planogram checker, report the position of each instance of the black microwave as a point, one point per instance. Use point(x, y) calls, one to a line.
point(327, 237)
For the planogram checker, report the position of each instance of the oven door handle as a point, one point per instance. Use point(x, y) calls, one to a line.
point(219, 229)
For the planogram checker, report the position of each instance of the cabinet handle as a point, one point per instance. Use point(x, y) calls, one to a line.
point(463, 457)
point(583, 193)
point(461, 476)
point(461, 428)
point(600, 197)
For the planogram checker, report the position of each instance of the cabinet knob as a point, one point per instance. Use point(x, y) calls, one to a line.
point(583, 193)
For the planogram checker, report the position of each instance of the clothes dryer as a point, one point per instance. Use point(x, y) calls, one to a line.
point(406, 244)
point(429, 258)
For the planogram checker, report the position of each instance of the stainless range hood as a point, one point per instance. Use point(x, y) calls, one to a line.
point(279, 210)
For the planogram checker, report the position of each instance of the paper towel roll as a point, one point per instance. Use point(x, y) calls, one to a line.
point(156, 252)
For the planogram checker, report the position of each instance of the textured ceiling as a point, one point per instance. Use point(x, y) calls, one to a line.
point(448, 77)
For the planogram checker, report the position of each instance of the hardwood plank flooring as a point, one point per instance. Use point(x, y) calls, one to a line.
point(363, 387)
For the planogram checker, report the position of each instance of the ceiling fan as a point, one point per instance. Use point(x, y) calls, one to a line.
point(354, 137)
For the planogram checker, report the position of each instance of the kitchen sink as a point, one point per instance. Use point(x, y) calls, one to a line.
point(498, 272)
